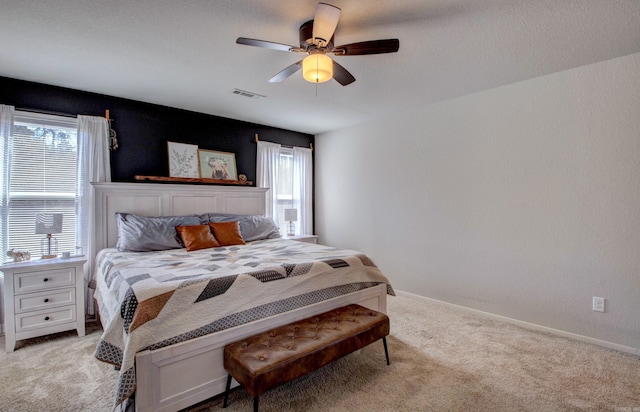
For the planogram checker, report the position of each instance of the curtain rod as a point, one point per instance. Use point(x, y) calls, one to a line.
point(51, 112)
point(256, 140)
point(54, 113)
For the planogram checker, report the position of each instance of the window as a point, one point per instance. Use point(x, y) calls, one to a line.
point(288, 173)
point(44, 152)
point(285, 187)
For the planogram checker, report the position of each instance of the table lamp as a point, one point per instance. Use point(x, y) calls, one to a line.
point(48, 224)
point(291, 215)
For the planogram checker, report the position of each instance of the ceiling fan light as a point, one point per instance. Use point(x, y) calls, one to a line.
point(317, 68)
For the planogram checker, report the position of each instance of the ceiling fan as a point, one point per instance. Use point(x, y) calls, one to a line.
point(317, 40)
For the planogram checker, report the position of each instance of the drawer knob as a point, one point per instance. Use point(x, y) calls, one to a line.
point(46, 279)
point(46, 300)
point(46, 318)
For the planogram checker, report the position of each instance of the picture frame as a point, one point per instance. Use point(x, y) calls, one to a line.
point(183, 160)
point(217, 165)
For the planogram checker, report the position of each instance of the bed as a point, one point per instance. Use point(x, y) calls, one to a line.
point(167, 315)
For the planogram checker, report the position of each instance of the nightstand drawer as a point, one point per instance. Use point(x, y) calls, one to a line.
point(45, 300)
point(34, 281)
point(45, 318)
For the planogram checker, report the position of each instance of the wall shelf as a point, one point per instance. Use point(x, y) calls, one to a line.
point(193, 180)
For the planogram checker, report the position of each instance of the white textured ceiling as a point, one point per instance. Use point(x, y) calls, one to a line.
point(183, 53)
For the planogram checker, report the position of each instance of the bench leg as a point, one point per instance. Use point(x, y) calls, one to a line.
point(386, 351)
point(226, 392)
point(255, 404)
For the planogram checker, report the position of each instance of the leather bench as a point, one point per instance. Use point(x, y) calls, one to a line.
point(266, 360)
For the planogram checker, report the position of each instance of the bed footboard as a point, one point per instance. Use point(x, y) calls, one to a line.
point(175, 377)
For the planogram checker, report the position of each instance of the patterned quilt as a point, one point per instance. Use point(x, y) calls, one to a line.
point(149, 300)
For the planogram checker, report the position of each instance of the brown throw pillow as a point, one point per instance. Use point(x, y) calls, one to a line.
point(227, 233)
point(197, 237)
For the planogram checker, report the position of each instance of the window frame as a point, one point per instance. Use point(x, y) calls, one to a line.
point(23, 203)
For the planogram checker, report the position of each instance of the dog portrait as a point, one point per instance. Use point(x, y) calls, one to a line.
point(217, 165)
point(219, 168)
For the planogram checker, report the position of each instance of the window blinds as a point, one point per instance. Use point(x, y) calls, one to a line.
point(42, 178)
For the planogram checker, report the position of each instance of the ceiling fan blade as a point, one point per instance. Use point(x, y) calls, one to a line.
point(288, 71)
point(325, 22)
point(265, 44)
point(341, 75)
point(368, 47)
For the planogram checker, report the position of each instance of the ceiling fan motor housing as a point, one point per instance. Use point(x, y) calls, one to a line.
point(306, 37)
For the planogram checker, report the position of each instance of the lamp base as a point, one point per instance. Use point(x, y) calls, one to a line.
point(291, 229)
point(49, 247)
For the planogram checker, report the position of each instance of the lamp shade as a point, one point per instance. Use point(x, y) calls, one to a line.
point(291, 215)
point(317, 68)
point(48, 223)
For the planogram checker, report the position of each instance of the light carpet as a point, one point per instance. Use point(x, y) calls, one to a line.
point(442, 359)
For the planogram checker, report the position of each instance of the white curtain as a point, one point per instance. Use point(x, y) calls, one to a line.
point(6, 128)
point(303, 189)
point(267, 175)
point(93, 166)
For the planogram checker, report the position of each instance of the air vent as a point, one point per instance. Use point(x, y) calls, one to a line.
point(250, 95)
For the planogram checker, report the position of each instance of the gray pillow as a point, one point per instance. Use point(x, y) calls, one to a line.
point(252, 227)
point(145, 234)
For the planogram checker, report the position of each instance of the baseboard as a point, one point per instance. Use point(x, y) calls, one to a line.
point(532, 326)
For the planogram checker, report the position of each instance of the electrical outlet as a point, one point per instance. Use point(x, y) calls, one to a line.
point(598, 304)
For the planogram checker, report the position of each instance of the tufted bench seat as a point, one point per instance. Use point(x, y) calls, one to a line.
point(269, 359)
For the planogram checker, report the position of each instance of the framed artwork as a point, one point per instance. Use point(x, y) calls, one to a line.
point(217, 165)
point(183, 160)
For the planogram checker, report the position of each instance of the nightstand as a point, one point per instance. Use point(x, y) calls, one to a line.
point(303, 238)
point(41, 297)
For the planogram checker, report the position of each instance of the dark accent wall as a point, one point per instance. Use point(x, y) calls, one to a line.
point(143, 129)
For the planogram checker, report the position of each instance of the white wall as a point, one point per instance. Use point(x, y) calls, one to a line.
point(522, 201)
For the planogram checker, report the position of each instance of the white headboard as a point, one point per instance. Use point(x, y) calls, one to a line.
point(157, 199)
